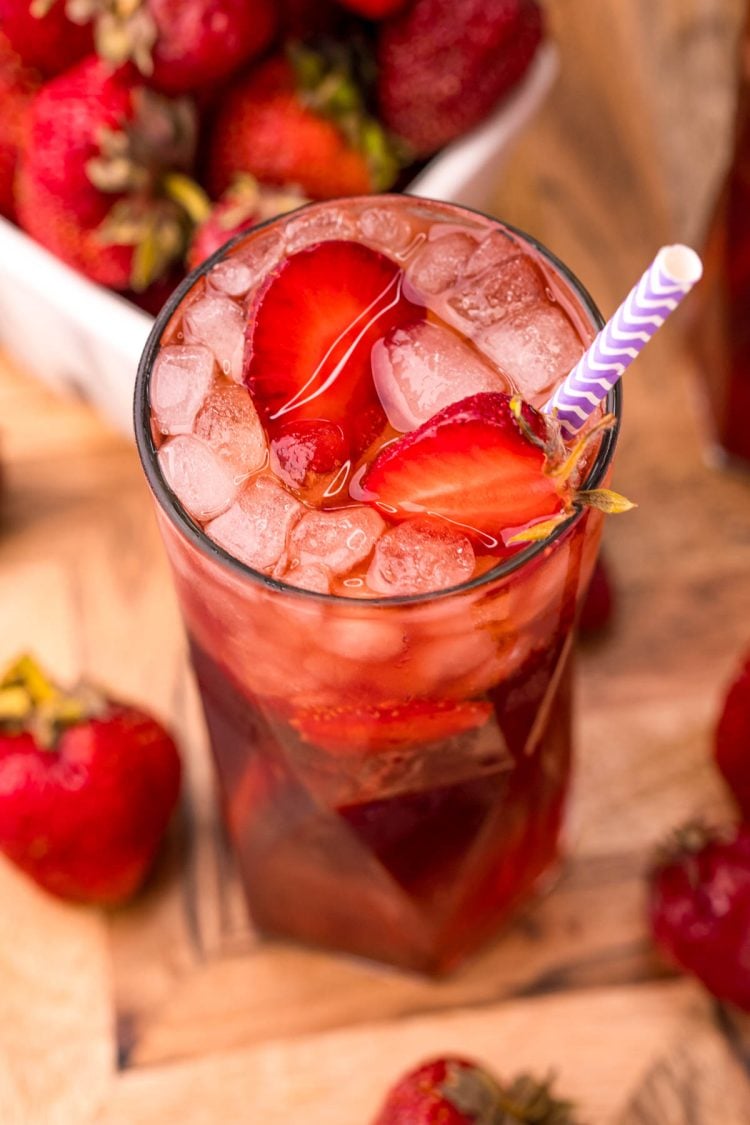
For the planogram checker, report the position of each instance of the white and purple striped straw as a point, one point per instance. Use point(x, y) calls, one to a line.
point(673, 273)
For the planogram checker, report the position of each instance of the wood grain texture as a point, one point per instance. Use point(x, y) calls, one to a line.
point(56, 1016)
point(208, 1023)
point(600, 1046)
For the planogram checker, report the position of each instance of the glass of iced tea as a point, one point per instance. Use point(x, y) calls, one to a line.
point(335, 417)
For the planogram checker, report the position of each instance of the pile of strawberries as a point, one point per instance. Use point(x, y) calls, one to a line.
point(138, 135)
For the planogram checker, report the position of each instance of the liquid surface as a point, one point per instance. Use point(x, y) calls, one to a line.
point(456, 310)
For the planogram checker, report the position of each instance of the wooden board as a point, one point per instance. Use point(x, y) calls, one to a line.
point(171, 1009)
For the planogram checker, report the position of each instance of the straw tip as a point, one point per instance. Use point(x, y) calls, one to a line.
point(681, 264)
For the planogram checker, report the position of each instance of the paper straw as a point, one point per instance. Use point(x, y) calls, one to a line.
point(673, 273)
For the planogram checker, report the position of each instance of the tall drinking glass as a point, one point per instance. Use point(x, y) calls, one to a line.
point(393, 769)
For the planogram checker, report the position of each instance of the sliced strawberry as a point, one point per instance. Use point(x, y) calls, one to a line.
point(372, 729)
point(310, 334)
point(482, 463)
point(313, 446)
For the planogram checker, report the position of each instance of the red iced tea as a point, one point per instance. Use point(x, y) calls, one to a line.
point(387, 690)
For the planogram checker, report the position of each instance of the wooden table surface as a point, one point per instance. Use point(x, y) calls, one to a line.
point(171, 1010)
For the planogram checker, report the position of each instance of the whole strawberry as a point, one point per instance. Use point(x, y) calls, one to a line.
point(732, 740)
point(98, 182)
point(302, 124)
point(305, 19)
point(87, 787)
point(444, 64)
point(180, 46)
point(700, 908)
point(241, 206)
point(43, 35)
point(374, 9)
point(17, 84)
point(454, 1091)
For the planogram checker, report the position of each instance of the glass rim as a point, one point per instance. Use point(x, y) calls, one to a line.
point(194, 533)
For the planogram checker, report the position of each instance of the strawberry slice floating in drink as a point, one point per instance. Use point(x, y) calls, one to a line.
point(376, 728)
point(309, 339)
point(490, 464)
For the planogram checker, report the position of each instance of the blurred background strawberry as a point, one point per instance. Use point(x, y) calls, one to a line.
point(43, 35)
point(17, 84)
point(96, 179)
point(301, 99)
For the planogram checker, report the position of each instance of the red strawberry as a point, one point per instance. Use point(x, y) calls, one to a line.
point(303, 126)
point(17, 85)
point(303, 19)
point(492, 465)
point(43, 35)
point(444, 64)
point(374, 9)
point(375, 728)
point(183, 46)
point(92, 180)
point(700, 908)
point(87, 786)
point(310, 334)
point(484, 463)
point(241, 206)
point(302, 448)
point(732, 740)
point(598, 605)
point(454, 1091)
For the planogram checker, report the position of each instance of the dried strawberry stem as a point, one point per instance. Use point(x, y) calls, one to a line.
point(327, 85)
point(526, 1101)
point(565, 469)
point(531, 1102)
point(689, 839)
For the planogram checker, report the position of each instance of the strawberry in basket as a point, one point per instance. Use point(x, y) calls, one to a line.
point(101, 178)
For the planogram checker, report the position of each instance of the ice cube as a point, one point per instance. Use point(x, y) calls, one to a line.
point(232, 276)
point(313, 225)
point(255, 528)
point(364, 639)
point(496, 292)
point(422, 368)
point(312, 577)
point(443, 659)
point(229, 423)
point(420, 556)
point(386, 228)
point(180, 381)
point(339, 539)
point(262, 250)
point(199, 479)
point(438, 265)
point(536, 347)
point(219, 323)
point(495, 248)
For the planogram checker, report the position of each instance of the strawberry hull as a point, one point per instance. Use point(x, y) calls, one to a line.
point(393, 769)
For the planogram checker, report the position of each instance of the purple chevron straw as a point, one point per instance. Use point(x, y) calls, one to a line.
point(673, 273)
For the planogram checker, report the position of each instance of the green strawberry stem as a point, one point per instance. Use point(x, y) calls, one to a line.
point(476, 1094)
point(531, 1103)
point(327, 86)
point(31, 701)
